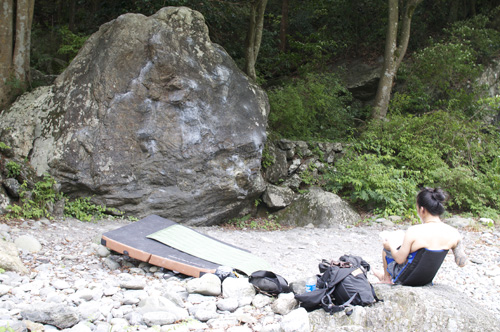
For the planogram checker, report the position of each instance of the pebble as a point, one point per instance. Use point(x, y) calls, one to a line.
point(97, 290)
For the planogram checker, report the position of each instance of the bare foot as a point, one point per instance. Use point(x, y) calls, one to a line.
point(384, 279)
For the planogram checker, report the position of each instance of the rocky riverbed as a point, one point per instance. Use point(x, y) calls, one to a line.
point(75, 284)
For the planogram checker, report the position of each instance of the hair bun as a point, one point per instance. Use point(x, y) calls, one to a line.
point(438, 194)
point(432, 200)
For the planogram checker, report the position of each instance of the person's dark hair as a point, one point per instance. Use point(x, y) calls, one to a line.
point(432, 200)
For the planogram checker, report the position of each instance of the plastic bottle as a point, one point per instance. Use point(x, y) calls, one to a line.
point(310, 284)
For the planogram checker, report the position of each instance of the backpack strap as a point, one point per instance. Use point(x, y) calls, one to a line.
point(329, 306)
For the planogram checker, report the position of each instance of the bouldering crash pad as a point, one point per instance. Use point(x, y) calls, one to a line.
point(164, 243)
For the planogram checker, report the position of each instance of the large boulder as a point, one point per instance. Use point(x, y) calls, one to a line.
point(432, 308)
point(9, 258)
point(361, 78)
point(151, 117)
point(320, 208)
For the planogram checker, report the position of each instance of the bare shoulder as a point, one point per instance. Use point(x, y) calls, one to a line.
point(452, 232)
point(416, 228)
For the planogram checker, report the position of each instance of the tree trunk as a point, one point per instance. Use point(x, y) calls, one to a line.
point(254, 36)
point(15, 47)
point(22, 44)
point(284, 24)
point(71, 15)
point(394, 53)
point(6, 35)
point(453, 16)
point(473, 11)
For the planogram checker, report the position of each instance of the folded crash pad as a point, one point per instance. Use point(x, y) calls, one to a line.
point(164, 243)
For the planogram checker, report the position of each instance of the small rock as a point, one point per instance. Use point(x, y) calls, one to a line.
point(159, 318)
point(476, 260)
point(102, 251)
point(230, 304)
point(133, 284)
point(238, 288)
point(111, 264)
point(207, 284)
point(285, 303)
point(4, 289)
point(459, 222)
point(260, 301)
point(487, 221)
point(60, 284)
point(205, 311)
point(296, 321)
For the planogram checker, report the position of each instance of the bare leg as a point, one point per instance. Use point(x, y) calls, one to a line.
point(383, 276)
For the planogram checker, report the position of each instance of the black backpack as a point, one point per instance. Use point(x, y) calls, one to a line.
point(340, 284)
point(269, 283)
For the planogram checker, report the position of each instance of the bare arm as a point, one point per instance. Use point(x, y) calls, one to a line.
point(400, 255)
point(460, 256)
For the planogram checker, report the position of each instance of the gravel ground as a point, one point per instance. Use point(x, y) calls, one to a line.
point(293, 253)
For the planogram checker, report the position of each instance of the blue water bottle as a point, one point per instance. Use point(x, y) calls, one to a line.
point(310, 284)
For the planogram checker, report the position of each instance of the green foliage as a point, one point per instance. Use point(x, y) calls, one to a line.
point(240, 222)
point(83, 209)
point(45, 43)
point(444, 74)
point(262, 224)
point(310, 108)
point(268, 158)
point(16, 86)
point(71, 42)
point(6, 329)
point(372, 181)
point(4, 146)
point(471, 191)
point(439, 77)
point(35, 203)
point(309, 175)
point(484, 41)
point(13, 169)
point(387, 164)
point(318, 31)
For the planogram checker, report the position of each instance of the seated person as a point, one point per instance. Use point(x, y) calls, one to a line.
point(432, 234)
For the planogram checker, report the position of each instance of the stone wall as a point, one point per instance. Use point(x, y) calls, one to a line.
point(291, 161)
point(293, 173)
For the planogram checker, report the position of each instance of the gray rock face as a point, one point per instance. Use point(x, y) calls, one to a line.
point(4, 200)
point(362, 79)
point(320, 208)
point(435, 308)
point(279, 169)
point(13, 187)
point(457, 221)
point(278, 197)
point(57, 315)
point(151, 118)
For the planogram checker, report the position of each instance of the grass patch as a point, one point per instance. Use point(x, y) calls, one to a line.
point(248, 222)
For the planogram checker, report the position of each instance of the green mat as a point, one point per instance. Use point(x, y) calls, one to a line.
point(199, 245)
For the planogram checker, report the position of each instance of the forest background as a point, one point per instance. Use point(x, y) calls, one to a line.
point(432, 122)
